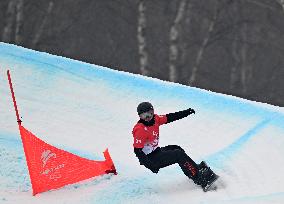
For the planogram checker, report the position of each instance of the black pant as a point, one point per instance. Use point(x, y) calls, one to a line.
point(172, 154)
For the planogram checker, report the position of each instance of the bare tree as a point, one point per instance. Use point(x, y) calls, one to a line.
point(245, 67)
point(234, 72)
point(10, 17)
point(40, 30)
point(19, 21)
point(246, 57)
point(141, 36)
point(174, 38)
point(281, 2)
point(234, 68)
point(204, 44)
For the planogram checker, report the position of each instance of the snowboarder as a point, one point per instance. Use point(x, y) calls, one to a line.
point(153, 157)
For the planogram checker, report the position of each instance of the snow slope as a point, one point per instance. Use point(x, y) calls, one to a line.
point(84, 108)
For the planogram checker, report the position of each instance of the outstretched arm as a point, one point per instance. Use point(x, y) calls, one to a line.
point(171, 117)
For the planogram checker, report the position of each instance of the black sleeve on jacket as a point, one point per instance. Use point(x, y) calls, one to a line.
point(171, 117)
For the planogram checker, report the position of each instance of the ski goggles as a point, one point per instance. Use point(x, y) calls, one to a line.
point(147, 115)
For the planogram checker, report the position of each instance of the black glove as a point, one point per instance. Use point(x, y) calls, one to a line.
point(191, 111)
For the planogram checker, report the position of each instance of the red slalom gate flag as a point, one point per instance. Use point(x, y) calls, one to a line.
point(52, 168)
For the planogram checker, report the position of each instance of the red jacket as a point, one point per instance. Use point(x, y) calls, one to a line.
point(147, 137)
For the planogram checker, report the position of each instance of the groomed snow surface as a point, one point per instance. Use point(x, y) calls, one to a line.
point(84, 108)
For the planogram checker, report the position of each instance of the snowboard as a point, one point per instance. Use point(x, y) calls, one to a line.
point(210, 183)
point(209, 186)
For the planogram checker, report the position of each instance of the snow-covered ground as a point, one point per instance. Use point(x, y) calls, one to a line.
point(85, 108)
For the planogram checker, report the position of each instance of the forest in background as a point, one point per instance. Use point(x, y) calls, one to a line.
point(234, 47)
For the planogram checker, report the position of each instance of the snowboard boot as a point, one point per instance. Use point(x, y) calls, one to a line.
point(205, 176)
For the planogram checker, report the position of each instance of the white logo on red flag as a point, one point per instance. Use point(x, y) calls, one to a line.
point(46, 155)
